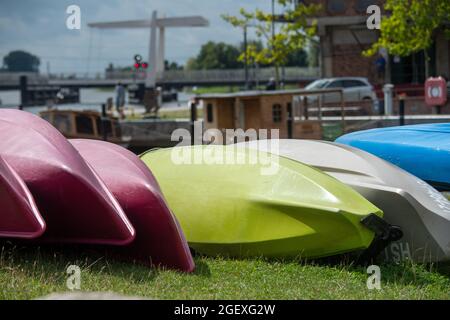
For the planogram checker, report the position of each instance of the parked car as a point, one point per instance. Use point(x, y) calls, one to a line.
point(355, 89)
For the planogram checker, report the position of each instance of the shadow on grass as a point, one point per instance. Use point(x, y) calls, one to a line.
point(51, 262)
point(405, 273)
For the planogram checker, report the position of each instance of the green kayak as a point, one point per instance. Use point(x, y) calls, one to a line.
point(274, 208)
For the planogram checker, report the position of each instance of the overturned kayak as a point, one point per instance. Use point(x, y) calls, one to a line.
point(19, 215)
point(75, 204)
point(421, 211)
point(239, 202)
point(159, 239)
point(423, 150)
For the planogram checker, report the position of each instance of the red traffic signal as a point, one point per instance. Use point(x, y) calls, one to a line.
point(144, 65)
point(137, 65)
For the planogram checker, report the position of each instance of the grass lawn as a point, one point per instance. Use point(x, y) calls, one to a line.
point(31, 272)
point(231, 89)
point(178, 114)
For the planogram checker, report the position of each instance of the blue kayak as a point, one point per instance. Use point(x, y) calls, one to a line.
point(423, 150)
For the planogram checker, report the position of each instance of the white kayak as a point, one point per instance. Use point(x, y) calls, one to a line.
point(421, 211)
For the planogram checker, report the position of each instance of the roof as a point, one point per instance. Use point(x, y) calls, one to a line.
point(260, 93)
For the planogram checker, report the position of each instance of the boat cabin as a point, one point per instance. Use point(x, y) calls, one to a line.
point(282, 110)
point(84, 125)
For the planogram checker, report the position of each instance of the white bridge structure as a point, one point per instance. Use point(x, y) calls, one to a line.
point(156, 55)
point(168, 79)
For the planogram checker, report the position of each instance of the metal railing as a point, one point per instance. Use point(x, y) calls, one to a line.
point(180, 76)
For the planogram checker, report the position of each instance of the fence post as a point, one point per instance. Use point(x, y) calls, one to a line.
point(24, 97)
point(402, 110)
point(193, 120)
point(289, 120)
point(103, 123)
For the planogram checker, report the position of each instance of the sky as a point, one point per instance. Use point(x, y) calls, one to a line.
point(39, 26)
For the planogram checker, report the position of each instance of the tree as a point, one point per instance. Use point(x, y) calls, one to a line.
point(410, 25)
point(21, 61)
point(293, 35)
point(313, 54)
point(298, 58)
point(172, 65)
point(216, 56)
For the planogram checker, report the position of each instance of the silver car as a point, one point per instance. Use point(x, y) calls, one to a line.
point(355, 89)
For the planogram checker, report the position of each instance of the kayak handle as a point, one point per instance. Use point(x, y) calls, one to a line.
point(385, 233)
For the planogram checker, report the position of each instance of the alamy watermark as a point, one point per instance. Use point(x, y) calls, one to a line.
point(73, 21)
point(232, 154)
point(374, 20)
point(73, 281)
point(374, 279)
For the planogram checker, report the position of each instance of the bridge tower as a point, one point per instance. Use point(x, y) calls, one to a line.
point(156, 49)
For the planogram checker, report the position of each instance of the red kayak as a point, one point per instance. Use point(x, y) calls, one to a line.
point(76, 205)
point(19, 215)
point(159, 239)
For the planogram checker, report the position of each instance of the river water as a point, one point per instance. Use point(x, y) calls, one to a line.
point(90, 99)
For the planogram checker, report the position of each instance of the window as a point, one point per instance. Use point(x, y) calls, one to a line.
point(62, 123)
point(362, 5)
point(84, 125)
point(354, 84)
point(336, 84)
point(277, 113)
point(318, 84)
point(336, 6)
point(108, 127)
point(209, 112)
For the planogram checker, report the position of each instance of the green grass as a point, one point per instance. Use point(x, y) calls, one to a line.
point(216, 89)
point(231, 89)
point(32, 272)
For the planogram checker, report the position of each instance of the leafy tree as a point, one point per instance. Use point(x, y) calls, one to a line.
point(298, 58)
point(172, 66)
point(410, 25)
point(313, 54)
point(293, 34)
point(21, 61)
point(216, 56)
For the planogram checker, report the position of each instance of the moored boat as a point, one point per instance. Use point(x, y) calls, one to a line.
point(85, 124)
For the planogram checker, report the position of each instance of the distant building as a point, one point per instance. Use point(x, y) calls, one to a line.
point(344, 35)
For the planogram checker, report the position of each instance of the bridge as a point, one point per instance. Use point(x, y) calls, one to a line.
point(166, 79)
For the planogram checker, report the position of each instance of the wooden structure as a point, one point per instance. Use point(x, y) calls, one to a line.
point(85, 125)
point(285, 110)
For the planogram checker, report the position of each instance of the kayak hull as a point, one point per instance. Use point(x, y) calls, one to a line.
point(422, 213)
point(159, 240)
point(19, 215)
point(75, 203)
point(422, 150)
point(240, 210)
